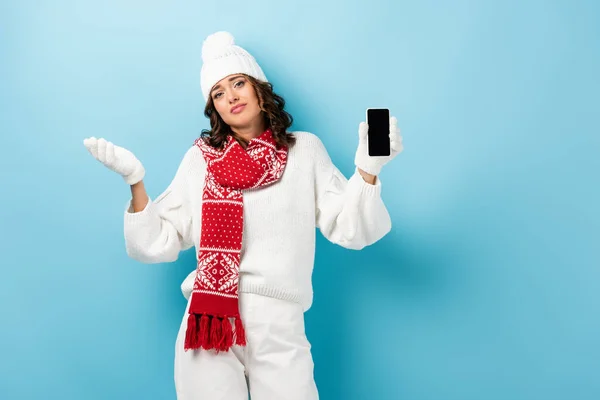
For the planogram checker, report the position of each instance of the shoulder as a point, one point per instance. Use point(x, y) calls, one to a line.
point(307, 140)
point(192, 160)
point(193, 153)
point(309, 150)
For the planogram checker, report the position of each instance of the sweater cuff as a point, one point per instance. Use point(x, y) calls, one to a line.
point(359, 185)
point(138, 218)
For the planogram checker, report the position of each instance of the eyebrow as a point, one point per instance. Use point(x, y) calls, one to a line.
point(230, 79)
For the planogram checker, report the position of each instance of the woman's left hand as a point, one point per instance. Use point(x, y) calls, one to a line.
point(373, 164)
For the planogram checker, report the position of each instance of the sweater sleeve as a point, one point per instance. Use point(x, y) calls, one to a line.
point(349, 212)
point(160, 231)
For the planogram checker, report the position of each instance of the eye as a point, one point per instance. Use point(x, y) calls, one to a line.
point(217, 95)
point(239, 84)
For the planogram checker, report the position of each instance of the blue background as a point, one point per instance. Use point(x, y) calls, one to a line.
point(487, 287)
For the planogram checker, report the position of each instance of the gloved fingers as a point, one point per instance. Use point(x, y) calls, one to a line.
point(102, 150)
point(110, 153)
point(363, 131)
point(91, 144)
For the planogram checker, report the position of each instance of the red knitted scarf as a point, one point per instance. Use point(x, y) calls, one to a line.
point(215, 294)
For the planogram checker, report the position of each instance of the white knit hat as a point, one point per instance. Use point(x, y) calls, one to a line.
point(221, 58)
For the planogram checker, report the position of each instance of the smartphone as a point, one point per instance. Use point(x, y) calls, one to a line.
point(378, 120)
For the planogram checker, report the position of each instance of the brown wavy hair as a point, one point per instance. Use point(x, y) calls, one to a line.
point(274, 114)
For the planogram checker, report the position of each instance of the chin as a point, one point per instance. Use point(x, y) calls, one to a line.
point(238, 123)
point(242, 121)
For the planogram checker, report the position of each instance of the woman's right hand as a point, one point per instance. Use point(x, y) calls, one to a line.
point(117, 159)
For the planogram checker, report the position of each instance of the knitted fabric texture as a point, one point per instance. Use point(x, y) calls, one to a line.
point(215, 295)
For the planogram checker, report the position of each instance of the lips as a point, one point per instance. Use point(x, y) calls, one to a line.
point(238, 109)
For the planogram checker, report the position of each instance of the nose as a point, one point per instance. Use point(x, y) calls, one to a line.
point(233, 97)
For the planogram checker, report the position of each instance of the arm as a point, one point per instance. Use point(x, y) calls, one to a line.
point(155, 231)
point(139, 197)
point(158, 230)
point(349, 212)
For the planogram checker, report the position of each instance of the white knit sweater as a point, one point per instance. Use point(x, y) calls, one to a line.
point(280, 220)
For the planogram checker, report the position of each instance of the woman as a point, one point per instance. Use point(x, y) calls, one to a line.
point(248, 195)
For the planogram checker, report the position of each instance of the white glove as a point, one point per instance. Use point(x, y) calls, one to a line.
point(373, 164)
point(117, 159)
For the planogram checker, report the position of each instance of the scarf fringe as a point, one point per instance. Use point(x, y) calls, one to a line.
point(227, 340)
point(190, 337)
point(210, 332)
point(204, 334)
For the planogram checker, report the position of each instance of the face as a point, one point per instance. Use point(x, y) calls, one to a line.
point(236, 102)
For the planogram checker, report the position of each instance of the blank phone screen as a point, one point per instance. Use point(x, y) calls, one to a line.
point(379, 131)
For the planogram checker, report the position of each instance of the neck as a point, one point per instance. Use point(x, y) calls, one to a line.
point(247, 133)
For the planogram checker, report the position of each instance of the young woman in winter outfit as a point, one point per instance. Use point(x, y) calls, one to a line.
point(248, 196)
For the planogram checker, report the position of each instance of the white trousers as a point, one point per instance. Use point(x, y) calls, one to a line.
point(276, 363)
